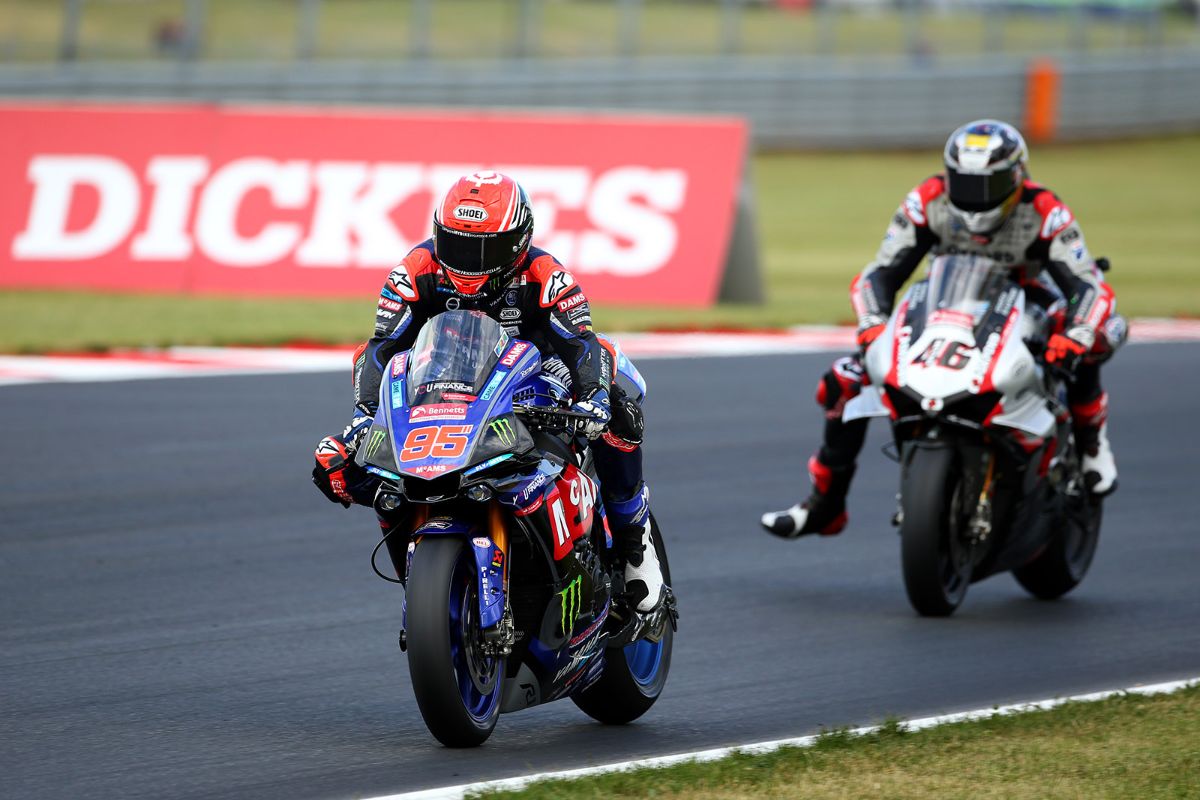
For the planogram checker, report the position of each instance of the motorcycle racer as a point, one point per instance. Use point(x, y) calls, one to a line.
point(480, 258)
point(983, 203)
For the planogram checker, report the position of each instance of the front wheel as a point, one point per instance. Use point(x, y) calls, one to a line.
point(1061, 566)
point(634, 675)
point(936, 559)
point(457, 687)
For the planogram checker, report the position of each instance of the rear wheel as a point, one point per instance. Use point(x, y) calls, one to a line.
point(937, 560)
point(1061, 566)
point(457, 687)
point(634, 675)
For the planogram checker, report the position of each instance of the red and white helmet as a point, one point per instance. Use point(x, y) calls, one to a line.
point(481, 232)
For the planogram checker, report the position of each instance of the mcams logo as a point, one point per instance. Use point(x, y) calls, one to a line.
point(257, 211)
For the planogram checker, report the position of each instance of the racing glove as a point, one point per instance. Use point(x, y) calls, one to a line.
point(1065, 351)
point(599, 410)
point(335, 459)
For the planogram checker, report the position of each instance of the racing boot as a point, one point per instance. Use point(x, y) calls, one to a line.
point(1091, 438)
point(1098, 465)
point(824, 512)
point(630, 524)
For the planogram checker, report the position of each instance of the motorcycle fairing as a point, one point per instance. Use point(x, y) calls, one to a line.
point(452, 433)
point(627, 375)
point(941, 357)
point(489, 562)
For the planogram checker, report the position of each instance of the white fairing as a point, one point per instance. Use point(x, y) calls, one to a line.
point(922, 367)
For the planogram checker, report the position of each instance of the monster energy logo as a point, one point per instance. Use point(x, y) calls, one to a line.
point(572, 604)
point(504, 432)
point(374, 442)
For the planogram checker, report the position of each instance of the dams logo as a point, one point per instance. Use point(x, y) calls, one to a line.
point(572, 604)
point(374, 442)
point(504, 431)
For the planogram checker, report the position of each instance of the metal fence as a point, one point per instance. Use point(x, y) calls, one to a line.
point(289, 30)
point(790, 102)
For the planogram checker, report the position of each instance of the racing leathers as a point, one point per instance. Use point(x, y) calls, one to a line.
point(1042, 244)
point(542, 304)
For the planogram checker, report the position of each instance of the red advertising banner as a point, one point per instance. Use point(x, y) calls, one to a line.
point(272, 201)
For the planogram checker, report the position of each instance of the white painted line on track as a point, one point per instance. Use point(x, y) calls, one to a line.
point(699, 756)
point(193, 362)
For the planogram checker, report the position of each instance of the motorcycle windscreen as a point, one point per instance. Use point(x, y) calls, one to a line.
point(961, 290)
point(452, 357)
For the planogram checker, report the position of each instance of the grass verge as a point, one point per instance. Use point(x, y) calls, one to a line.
point(1127, 746)
point(820, 217)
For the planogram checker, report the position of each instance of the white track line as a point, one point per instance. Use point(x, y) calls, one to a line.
point(194, 362)
point(699, 756)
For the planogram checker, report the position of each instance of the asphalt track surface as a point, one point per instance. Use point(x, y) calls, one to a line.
point(182, 615)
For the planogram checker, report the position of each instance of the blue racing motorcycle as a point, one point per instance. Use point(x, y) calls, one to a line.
point(513, 592)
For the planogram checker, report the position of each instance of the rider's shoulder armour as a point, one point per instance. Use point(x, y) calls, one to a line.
point(1053, 212)
point(417, 268)
point(550, 276)
point(916, 204)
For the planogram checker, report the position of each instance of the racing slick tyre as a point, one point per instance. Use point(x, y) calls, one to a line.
point(936, 558)
point(458, 688)
point(1062, 564)
point(634, 675)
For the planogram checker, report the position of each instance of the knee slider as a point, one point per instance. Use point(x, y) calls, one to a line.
point(1109, 338)
point(842, 382)
point(628, 423)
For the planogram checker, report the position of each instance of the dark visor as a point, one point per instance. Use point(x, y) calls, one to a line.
point(980, 192)
point(475, 253)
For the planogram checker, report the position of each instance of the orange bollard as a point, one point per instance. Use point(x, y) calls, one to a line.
point(1041, 100)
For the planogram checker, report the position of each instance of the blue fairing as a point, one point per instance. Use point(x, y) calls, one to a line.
point(489, 573)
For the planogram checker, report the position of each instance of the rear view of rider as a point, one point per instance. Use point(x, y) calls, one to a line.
point(985, 204)
point(480, 258)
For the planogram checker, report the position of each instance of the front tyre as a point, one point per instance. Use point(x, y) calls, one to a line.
point(1061, 566)
point(457, 687)
point(936, 559)
point(634, 675)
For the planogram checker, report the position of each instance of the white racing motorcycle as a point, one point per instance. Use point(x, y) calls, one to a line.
point(990, 478)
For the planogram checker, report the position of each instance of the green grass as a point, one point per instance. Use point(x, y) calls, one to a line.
point(820, 217)
point(1125, 747)
point(267, 29)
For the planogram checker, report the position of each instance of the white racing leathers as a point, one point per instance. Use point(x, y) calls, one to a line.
point(1040, 239)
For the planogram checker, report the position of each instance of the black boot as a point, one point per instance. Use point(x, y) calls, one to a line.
point(824, 512)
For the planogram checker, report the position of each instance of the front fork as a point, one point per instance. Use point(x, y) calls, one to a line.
point(490, 550)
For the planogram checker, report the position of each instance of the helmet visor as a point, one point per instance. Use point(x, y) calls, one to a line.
point(477, 254)
point(977, 192)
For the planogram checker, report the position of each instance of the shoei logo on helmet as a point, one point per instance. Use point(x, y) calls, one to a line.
point(470, 213)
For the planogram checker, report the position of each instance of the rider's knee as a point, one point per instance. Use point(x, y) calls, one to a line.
point(1110, 335)
point(843, 382)
point(627, 429)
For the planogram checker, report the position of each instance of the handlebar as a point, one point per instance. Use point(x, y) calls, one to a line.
point(550, 418)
